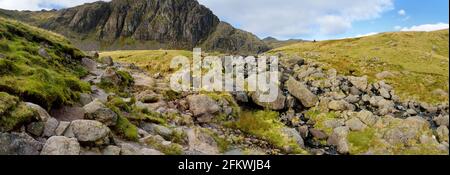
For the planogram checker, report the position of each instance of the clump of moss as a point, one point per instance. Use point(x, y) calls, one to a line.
point(49, 78)
point(126, 129)
point(320, 118)
point(267, 126)
point(171, 95)
point(122, 89)
point(170, 149)
point(227, 97)
point(123, 127)
point(13, 113)
point(222, 143)
point(119, 103)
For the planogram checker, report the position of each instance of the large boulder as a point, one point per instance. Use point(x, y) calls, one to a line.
point(301, 92)
point(339, 139)
point(19, 144)
point(359, 82)
point(203, 107)
point(278, 104)
point(293, 134)
point(201, 142)
point(107, 60)
point(43, 114)
point(60, 145)
point(89, 131)
point(50, 126)
point(96, 110)
point(110, 76)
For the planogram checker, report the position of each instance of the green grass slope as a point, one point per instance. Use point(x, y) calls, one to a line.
point(39, 66)
point(417, 61)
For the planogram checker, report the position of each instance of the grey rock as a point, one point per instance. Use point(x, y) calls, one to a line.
point(339, 139)
point(85, 99)
point(359, 82)
point(293, 134)
point(98, 111)
point(442, 120)
point(36, 128)
point(384, 93)
point(355, 124)
point(367, 117)
point(202, 142)
point(442, 133)
point(278, 104)
point(338, 105)
point(318, 134)
point(60, 145)
point(304, 131)
point(111, 150)
point(43, 114)
point(19, 144)
point(50, 127)
point(90, 64)
point(301, 92)
point(90, 131)
point(107, 60)
point(203, 107)
point(62, 127)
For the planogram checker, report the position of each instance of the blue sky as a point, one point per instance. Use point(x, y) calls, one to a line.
point(306, 19)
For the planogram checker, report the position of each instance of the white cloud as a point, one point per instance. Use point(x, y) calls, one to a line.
point(397, 27)
point(367, 34)
point(40, 4)
point(402, 12)
point(291, 18)
point(427, 27)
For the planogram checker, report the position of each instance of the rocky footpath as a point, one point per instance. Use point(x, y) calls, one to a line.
point(130, 112)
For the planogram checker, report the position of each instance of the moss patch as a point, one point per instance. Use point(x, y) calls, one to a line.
point(13, 113)
point(39, 66)
point(267, 126)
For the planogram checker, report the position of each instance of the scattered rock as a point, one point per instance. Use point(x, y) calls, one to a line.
point(442, 133)
point(43, 114)
point(60, 145)
point(278, 104)
point(18, 144)
point(91, 65)
point(304, 131)
point(111, 150)
point(367, 117)
point(62, 127)
point(202, 142)
point(355, 124)
point(98, 111)
point(36, 128)
point(442, 120)
point(90, 131)
point(318, 134)
point(299, 90)
point(293, 134)
point(339, 105)
point(85, 99)
point(50, 127)
point(339, 139)
point(203, 107)
point(107, 60)
point(359, 82)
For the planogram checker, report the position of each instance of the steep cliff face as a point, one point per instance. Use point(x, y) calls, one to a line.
point(142, 24)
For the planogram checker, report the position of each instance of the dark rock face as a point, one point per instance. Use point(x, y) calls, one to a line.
point(143, 24)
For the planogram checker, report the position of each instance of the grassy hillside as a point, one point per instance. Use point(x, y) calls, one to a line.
point(154, 61)
point(39, 66)
point(417, 62)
